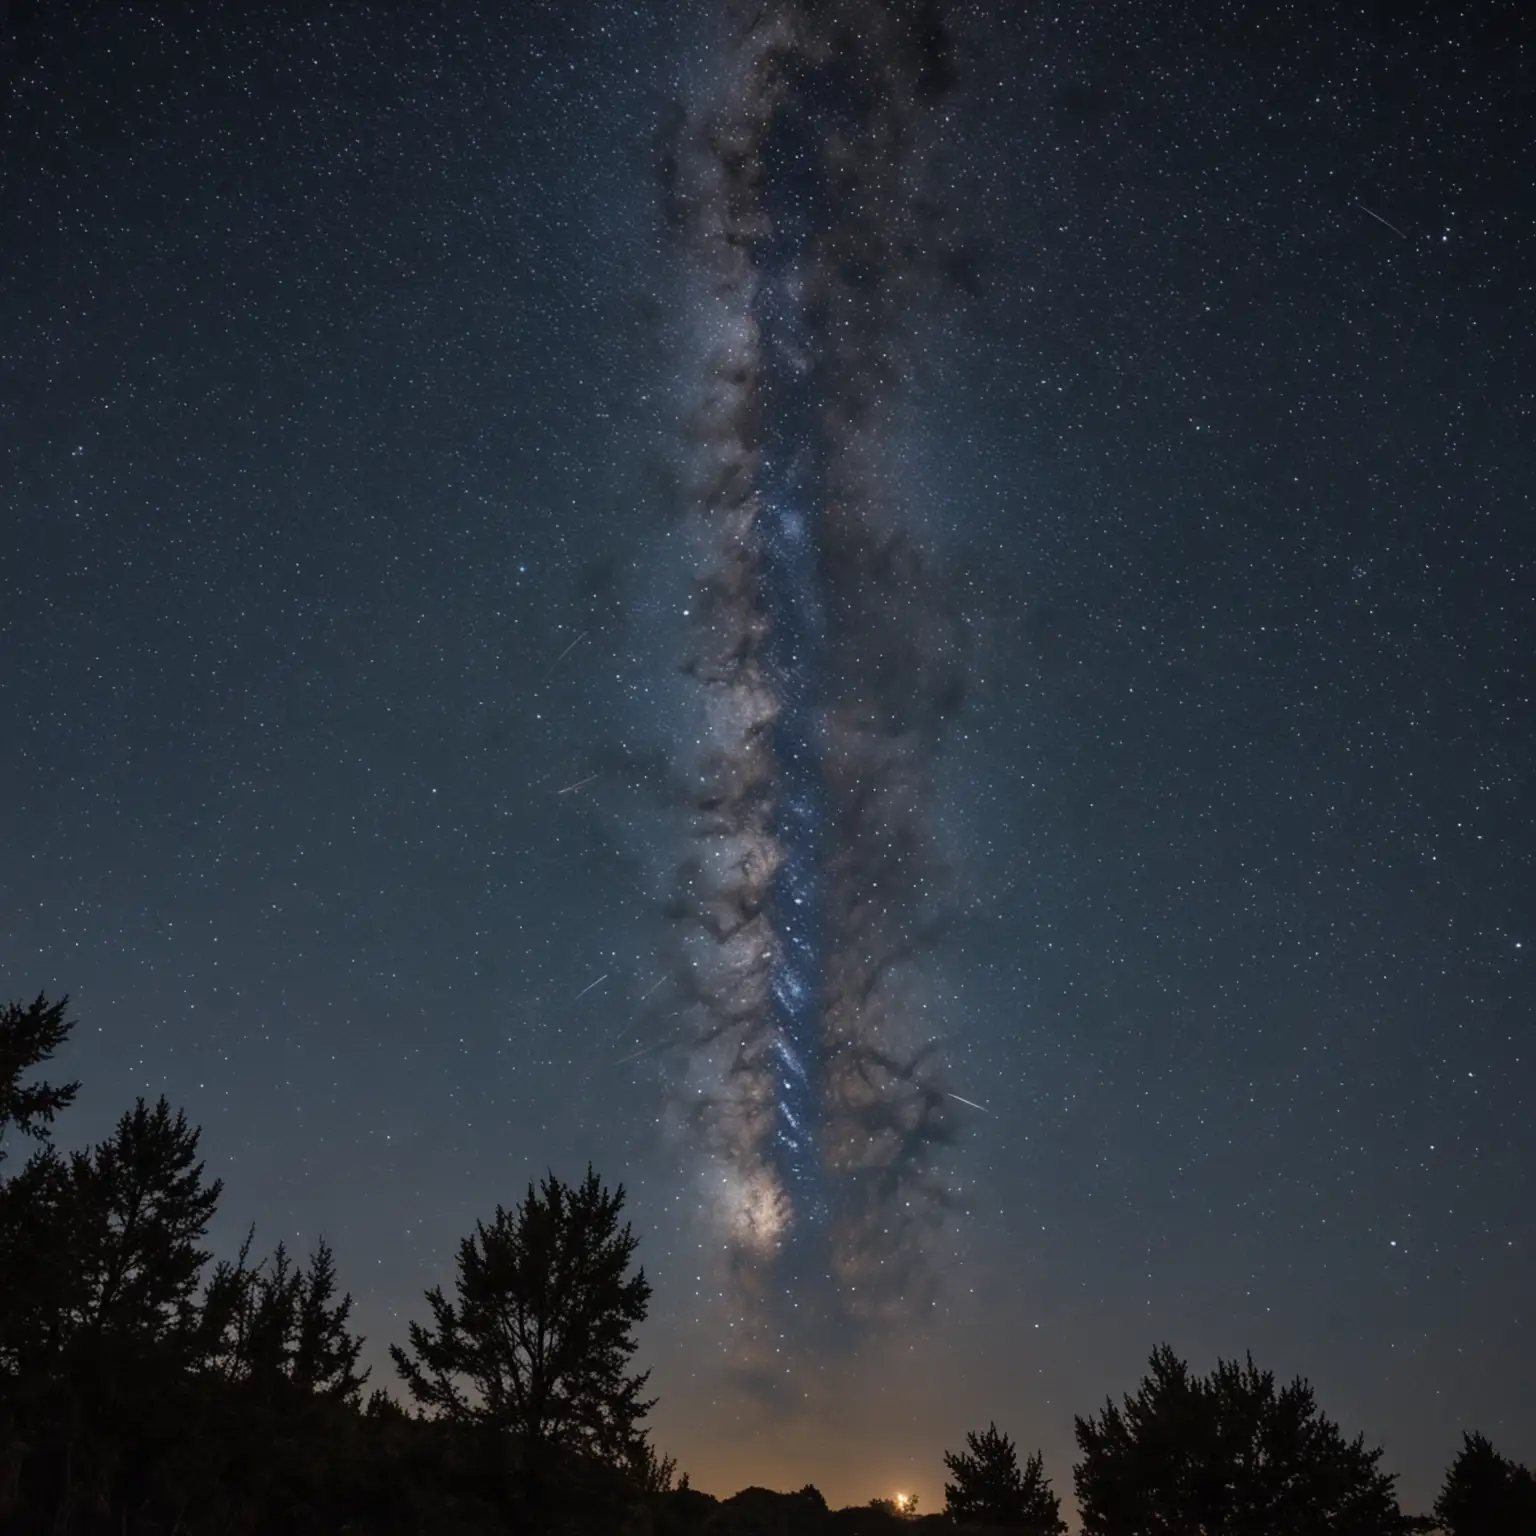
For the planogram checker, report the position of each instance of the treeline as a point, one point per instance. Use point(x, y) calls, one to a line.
point(146, 1390)
point(1229, 1454)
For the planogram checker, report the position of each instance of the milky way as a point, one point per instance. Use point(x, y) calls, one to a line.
point(826, 655)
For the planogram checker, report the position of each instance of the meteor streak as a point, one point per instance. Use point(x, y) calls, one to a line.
point(646, 1050)
point(549, 670)
point(972, 1102)
point(1390, 225)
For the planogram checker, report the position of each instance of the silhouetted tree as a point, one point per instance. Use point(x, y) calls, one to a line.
point(99, 1263)
point(36, 1263)
point(37, 1268)
point(1227, 1455)
point(649, 1472)
point(989, 1489)
point(1486, 1494)
point(144, 1390)
point(99, 1252)
point(140, 1210)
point(280, 1330)
point(539, 1339)
point(29, 1036)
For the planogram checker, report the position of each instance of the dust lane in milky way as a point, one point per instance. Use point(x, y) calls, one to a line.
point(828, 660)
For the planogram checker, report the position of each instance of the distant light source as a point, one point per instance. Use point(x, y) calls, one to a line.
point(903, 1503)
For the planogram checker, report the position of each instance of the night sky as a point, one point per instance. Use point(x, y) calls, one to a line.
point(350, 369)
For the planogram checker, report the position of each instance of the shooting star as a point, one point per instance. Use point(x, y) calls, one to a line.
point(577, 785)
point(646, 1050)
point(563, 654)
point(1388, 222)
point(625, 1030)
point(600, 980)
point(972, 1102)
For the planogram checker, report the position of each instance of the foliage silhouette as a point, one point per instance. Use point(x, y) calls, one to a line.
point(1486, 1494)
point(146, 1390)
point(539, 1338)
point(1227, 1455)
point(279, 1329)
point(140, 1210)
point(989, 1488)
point(29, 1036)
point(99, 1263)
point(649, 1472)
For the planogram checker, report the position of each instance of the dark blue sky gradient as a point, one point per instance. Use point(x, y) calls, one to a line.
point(341, 370)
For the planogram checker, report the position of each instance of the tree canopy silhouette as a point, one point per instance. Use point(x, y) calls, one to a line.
point(538, 1340)
point(1227, 1455)
point(141, 1211)
point(989, 1488)
point(99, 1252)
point(1486, 1494)
point(132, 1392)
point(280, 1330)
point(145, 1389)
point(29, 1036)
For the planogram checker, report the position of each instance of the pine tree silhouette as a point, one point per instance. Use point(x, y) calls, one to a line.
point(539, 1337)
point(279, 1330)
point(1228, 1453)
point(140, 1210)
point(29, 1036)
point(989, 1488)
point(1486, 1494)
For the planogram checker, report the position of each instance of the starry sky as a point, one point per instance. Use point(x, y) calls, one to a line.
point(344, 360)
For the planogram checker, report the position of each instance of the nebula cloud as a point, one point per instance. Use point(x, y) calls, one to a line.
point(826, 660)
